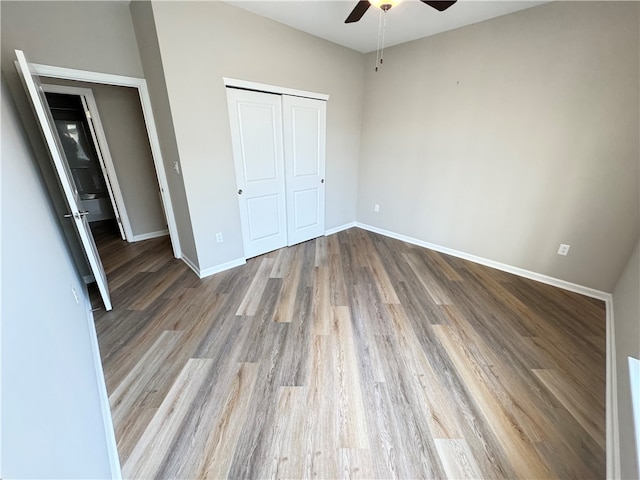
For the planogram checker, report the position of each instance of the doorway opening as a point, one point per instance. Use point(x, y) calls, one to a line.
point(102, 132)
point(50, 73)
point(84, 156)
point(53, 134)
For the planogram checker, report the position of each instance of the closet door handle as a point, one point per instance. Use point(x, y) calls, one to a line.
point(240, 192)
point(322, 181)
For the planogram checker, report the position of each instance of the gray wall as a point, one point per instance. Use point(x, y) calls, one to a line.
point(626, 312)
point(96, 36)
point(200, 42)
point(142, 16)
point(52, 425)
point(124, 127)
point(506, 138)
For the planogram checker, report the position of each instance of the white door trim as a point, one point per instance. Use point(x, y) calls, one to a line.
point(141, 85)
point(263, 87)
point(103, 151)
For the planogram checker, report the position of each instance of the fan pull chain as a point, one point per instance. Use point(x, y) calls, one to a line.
point(379, 38)
point(382, 28)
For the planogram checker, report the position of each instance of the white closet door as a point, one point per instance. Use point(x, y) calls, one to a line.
point(304, 153)
point(256, 135)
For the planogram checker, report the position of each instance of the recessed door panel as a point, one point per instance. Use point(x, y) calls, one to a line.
point(306, 208)
point(264, 217)
point(306, 141)
point(256, 136)
point(258, 143)
point(304, 153)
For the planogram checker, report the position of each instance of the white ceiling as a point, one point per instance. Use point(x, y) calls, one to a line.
point(407, 21)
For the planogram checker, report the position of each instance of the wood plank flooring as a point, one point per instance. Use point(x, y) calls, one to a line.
point(349, 356)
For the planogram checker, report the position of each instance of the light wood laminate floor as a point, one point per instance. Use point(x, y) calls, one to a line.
point(349, 356)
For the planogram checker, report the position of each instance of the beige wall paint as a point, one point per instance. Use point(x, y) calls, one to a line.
point(506, 138)
point(96, 36)
point(626, 313)
point(200, 42)
point(123, 123)
point(144, 25)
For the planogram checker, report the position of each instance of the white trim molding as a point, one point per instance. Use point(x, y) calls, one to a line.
point(147, 236)
point(222, 267)
point(263, 87)
point(340, 228)
point(612, 429)
point(107, 420)
point(215, 269)
point(521, 272)
point(145, 101)
point(191, 264)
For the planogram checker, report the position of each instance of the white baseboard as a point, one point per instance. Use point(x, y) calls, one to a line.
point(215, 269)
point(340, 228)
point(107, 420)
point(556, 282)
point(222, 267)
point(191, 264)
point(150, 235)
point(612, 429)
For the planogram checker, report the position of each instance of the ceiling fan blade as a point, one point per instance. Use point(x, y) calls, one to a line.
point(357, 13)
point(441, 6)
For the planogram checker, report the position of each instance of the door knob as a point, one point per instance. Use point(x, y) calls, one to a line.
point(240, 192)
point(322, 181)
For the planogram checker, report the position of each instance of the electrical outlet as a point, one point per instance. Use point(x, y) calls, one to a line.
point(176, 167)
point(564, 249)
point(219, 238)
point(376, 208)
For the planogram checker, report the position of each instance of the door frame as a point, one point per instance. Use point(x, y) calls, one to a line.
point(106, 162)
point(263, 87)
point(140, 84)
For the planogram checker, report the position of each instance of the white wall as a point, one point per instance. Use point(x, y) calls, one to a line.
point(52, 425)
point(200, 42)
point(506, 138)
point(626, 312)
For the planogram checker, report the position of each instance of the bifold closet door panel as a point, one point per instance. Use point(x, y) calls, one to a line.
point(256, 135)
point(304, 131)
